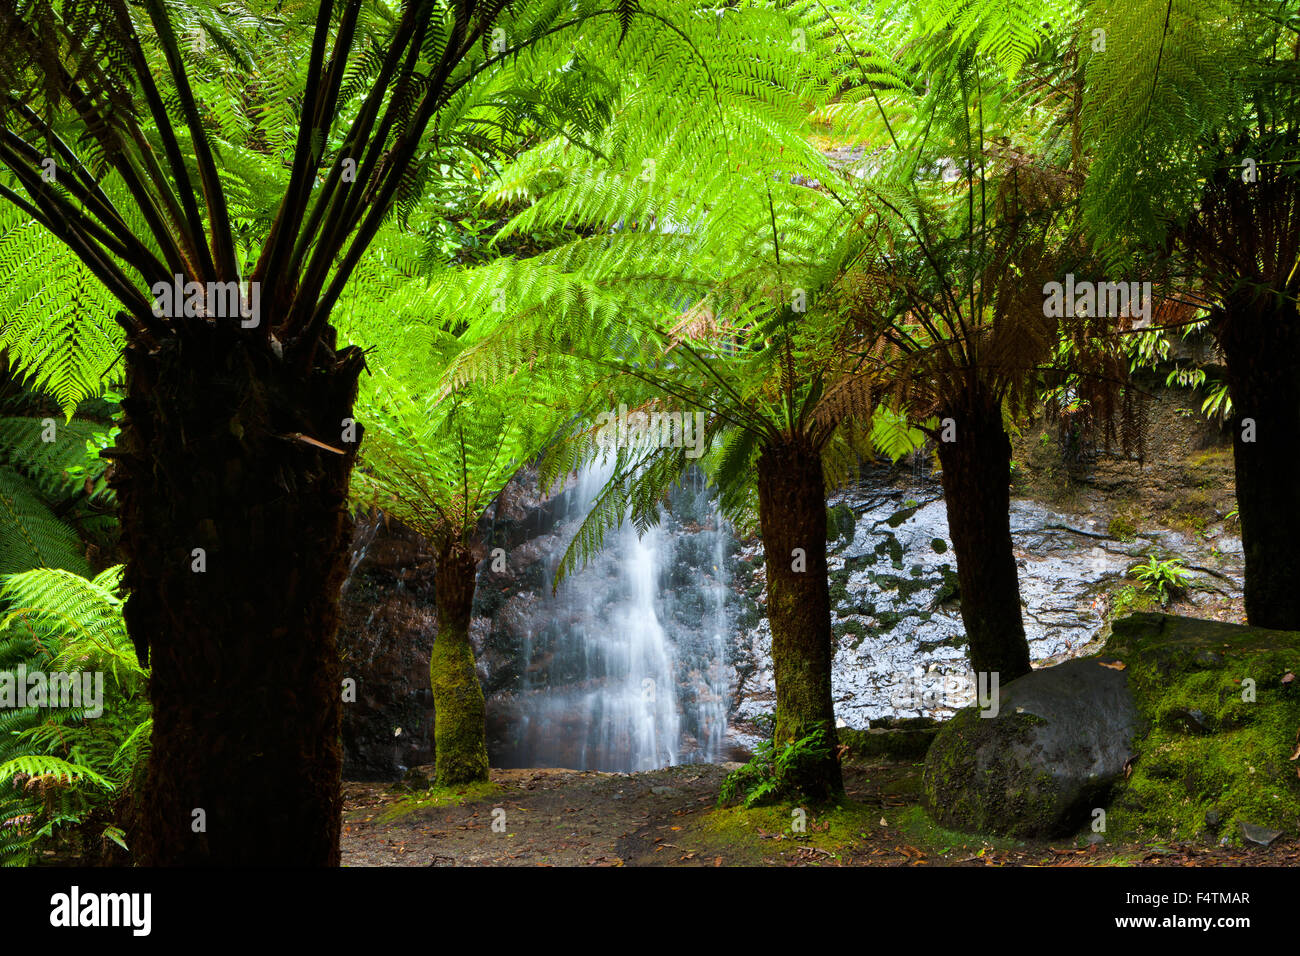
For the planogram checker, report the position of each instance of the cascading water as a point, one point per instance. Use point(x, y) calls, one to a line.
point(626, 667)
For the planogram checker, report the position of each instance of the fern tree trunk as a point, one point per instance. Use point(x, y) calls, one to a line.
point(459, 719)
point(1261, 342)
point(236, 530)
point(792, 519)
point(977, 493)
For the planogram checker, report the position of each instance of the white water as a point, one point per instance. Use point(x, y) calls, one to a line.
point(635, 672)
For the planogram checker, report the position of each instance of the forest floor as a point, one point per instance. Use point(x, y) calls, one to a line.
point(669, 817)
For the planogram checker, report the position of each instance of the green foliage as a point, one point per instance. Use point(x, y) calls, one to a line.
point(58, 327)
point(1129, 599)
point(1121, 528)
point(892, 435)
point(31, 535)
point(61, 458)
point(436, 461)
point(1170, 75)
point(52, 489)
point(774, 774)
point(66, 774)
point(1165, 578)
point(1011, 32)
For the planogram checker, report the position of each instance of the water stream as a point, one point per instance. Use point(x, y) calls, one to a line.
point(626, 665)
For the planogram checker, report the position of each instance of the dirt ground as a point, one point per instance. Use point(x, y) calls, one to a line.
point(668, 817)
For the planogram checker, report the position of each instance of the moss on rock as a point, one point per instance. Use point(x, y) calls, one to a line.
point(1214, 758)
point(888, 743)
point(973, 750)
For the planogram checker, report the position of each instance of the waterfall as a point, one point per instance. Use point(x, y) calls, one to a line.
point(625, 667)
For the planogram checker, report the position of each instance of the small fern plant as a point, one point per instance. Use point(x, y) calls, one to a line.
point(773, 774)
point(1166, 578)
point(66, 776)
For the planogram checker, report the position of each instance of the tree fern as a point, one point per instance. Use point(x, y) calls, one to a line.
point(62, 770)
point(31, 535)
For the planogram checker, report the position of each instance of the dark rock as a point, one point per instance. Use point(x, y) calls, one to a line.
point(1058, 743)
point(1191, 720)
point(385, 639)
point(1254, 833)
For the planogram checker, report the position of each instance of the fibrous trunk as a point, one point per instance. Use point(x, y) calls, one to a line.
point(792, 516)
point(1260, 338)
point(235, 530)
point(977, 492)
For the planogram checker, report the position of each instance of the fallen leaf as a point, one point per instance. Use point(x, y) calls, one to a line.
point(1114, 665)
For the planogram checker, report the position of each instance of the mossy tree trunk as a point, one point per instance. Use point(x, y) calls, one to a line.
point(235, 530)
point(459, 722)
point(977, 493)
point(1260, 338)
point(792, 518)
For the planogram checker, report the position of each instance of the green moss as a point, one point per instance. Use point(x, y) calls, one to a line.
point(923, 833)
point(891, 547)
point(905, 586)
point(1211, 760)
point(1193, 512)
point(852, 632)
point(459, 731)
point(840, 522)
point(749, 835)
point(888, 743)
point(1026, 804)
point(1121, 528)
point(949, 586)
point(838, 586)
point(1218, 458)
point(441, 797)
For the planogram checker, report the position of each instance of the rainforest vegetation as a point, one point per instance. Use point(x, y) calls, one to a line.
point(274, 274)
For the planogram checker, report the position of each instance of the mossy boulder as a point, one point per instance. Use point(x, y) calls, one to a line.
point(1223, 706)
point(891, 739)
point(1042, 760)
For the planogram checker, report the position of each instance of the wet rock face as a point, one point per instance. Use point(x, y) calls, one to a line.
point(1056, 744)
point(896, 613)
point(389, 622)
